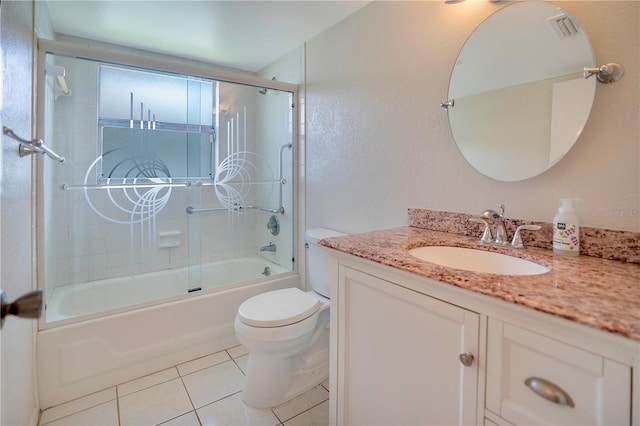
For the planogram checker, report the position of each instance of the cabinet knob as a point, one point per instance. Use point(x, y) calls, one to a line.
point(549, 391)
point(466, 359)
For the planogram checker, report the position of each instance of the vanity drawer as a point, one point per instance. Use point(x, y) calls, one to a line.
point(587, 388)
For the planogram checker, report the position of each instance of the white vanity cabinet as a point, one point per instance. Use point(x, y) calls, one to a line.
point(402, 355)
point(396, 345)
point(537, 380)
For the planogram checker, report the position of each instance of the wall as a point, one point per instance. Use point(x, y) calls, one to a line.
point(18, 404)
point(378, 141)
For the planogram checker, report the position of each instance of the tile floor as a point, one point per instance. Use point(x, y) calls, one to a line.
point(205, 391)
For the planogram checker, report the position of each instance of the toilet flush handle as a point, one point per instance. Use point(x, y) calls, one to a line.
point(466, 359)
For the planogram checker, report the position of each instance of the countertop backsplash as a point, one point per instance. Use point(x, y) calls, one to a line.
point(596, 242)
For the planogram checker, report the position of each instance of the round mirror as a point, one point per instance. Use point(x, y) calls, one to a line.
point(520, 100)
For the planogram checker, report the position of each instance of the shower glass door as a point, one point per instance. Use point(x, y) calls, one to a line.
point(172, 184)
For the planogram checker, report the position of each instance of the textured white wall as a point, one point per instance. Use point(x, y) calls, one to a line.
point(378, 142)
point(18, 403)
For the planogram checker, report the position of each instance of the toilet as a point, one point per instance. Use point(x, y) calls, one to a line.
point(287, 332)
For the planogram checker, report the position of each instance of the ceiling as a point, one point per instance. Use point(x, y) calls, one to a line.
point(246, 35)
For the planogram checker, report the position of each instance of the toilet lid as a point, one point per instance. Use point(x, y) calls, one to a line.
point(278, 308)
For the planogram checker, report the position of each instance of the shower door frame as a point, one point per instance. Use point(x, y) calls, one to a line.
point(164, 64)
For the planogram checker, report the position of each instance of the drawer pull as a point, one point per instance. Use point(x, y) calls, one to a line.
point(466, 359)
point(549, 391)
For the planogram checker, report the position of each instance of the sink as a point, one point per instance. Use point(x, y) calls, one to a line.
point(477, 260)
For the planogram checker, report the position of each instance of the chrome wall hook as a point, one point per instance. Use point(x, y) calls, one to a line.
point(606, 73)
point(35, 146)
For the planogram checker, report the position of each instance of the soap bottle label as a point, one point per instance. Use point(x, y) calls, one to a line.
point(565, 237)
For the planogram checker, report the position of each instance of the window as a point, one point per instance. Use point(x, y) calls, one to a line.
point(155, 125)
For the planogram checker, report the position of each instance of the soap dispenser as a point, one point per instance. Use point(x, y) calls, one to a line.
point(566, 230)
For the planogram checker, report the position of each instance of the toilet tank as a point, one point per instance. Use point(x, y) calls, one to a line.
point(322, 268)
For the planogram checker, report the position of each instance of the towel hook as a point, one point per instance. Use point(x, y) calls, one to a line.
point(35, 146)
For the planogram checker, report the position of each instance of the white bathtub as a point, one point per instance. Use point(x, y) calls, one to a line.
point(78, 356)
point(113, 295)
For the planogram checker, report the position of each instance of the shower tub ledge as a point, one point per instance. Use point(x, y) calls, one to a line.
point(80, 358)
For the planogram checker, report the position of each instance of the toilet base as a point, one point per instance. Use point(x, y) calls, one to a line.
point(273, 381)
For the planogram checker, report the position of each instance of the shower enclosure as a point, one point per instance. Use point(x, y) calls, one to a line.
point(176, 182)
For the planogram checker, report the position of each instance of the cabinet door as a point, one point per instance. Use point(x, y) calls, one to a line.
point(535, 380)
point(399, 355)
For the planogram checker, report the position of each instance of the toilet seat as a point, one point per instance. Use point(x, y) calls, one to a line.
point(278, 308)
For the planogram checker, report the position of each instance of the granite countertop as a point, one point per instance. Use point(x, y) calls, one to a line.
point(600, 293)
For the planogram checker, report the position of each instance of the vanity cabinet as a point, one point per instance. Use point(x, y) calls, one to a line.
point(400, 342)
point(536, 380)
point(403, 357)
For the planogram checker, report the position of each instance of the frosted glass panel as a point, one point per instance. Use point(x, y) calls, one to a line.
point(134, 94)
point(141, 153)
point(155, 125)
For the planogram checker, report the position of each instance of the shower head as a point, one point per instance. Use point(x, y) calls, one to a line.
point(263, 90)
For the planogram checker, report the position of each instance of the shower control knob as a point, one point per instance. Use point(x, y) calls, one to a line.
point(466, 359)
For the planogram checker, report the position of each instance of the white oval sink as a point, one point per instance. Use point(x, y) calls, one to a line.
point(477, 260)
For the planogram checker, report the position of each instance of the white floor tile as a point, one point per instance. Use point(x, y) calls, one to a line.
point(242, 362)
point(189, 419)
point(232, 411)
point(317, 416)
point(213, 383)
point(147, 381)
point(155, 404)
point(325, 384)
point(101, 415)
point(310, 398)
point(77, 405)
point(202, 363)
point(237, 351)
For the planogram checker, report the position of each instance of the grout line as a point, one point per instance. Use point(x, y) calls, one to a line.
point(180, 415)
point(274, 413)
point(238, 365)
point(149, 386)
point(202, 368)
point(118, 407)
point(78, 411)
point(198, 417)
point(190, 400)
point(301, 412)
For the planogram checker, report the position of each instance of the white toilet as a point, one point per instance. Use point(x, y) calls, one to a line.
point(287, 332)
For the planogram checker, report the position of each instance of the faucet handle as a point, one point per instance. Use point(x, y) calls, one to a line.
point(517, 238)
point(486, 238)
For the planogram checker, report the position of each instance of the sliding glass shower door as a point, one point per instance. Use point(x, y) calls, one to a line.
point(172, 184)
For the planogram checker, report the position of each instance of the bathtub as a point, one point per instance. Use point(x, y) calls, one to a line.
point(122, 334)
point(112, 295)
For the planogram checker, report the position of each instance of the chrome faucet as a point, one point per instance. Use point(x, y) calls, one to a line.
point(270, 247)
point(501, 231)
point(490, 217)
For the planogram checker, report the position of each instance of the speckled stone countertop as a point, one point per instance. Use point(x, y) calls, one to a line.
point(600, 293)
